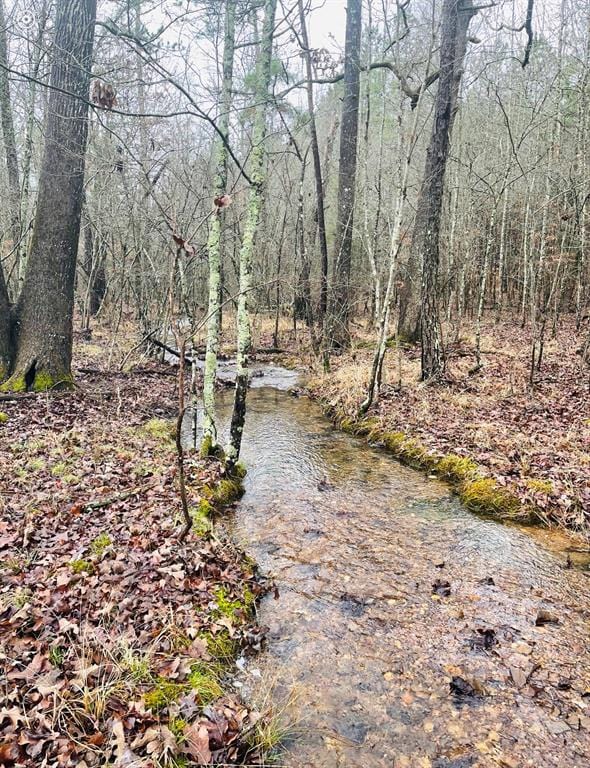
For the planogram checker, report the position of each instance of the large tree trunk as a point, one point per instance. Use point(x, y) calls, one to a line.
point(425, 237)
point(255, 200)
point(453, 45)
point(209, 445)
point(340, 305)
point(44, 312)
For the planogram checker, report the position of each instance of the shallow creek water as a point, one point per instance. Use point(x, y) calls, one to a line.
point(355, 542)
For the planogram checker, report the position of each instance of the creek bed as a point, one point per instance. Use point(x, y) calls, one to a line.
point(385, 668)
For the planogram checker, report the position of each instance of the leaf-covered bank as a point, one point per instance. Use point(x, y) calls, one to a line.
point(508, 449)
point(115, 638)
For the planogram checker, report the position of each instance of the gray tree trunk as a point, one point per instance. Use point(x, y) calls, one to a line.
point(44, 312)
point(340, 304)
point(9, 142)
point(214, 243)
point(425, 237)
point(317, 167)
point(255, 200)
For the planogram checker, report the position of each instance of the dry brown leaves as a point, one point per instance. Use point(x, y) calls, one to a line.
point(97, 604)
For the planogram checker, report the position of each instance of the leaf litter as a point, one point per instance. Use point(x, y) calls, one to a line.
point(115, 639)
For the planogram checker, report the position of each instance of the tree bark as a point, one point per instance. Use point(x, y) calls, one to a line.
point(6, 345)
point(257, 176)
point(416, 296)
point(44, 312)
point(317, 167)
point(209, 444)
point(453, 45)
point(9, 143)
point(339, 335)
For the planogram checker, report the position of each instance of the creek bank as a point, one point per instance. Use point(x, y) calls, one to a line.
point(508, 450)
point(479, 494)
point(409, 631)
point(118, 641)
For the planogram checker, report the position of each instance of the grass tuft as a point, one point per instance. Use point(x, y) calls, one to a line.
point(485, 496)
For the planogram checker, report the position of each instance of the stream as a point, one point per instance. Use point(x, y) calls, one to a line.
point(407, 632)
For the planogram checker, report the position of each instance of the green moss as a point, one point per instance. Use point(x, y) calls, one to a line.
point(81, 566)
point(225, 606)
point(201, 517)
point(14, 384)
point(456, 469)
point(240, 470)
point(540, 486)
point(416, 455)
point(177, 726)
point(160, 429)
point(3, 417)
point(407, 449)
point(204, 684)
point(21, 597)
point(365, 427)
point(59, 469)
point(393, 441)
point(44, 381)
point(165, 692)
point(100, 544)
point(35, 465)
point(227, 490)
point(208, 449)
point(249, 599)
point(484, 495)
point(347, 425)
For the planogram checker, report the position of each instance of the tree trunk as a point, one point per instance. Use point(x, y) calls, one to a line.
point(257, 175)
point(339, 335)
point(44, 312)
point(6, 347)
point(317, 167)
point(425, 236)
point(209, 445)
point(428, 216)
point(9, 143)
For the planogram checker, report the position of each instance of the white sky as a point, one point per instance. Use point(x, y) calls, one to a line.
point(327, 24)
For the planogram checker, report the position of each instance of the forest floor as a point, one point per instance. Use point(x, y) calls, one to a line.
point(115, 637)
point(526, 448)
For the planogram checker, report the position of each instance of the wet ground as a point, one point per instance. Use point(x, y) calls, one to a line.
point(411, 632)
